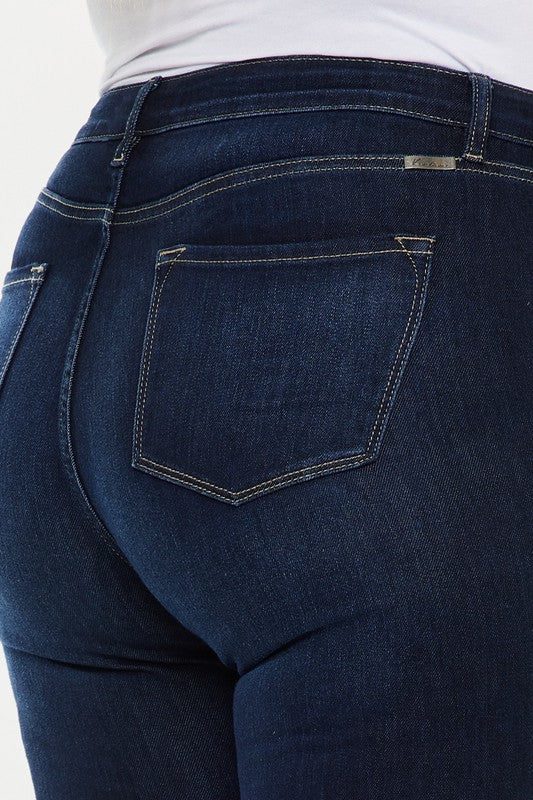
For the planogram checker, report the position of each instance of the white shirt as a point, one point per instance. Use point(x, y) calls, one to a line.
point(141, 38)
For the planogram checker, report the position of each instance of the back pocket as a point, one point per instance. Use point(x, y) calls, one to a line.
point(19, 290)
point(264, 365)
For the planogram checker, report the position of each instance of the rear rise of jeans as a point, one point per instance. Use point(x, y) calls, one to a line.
point(265, 415)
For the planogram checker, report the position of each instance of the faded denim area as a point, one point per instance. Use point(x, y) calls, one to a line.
point(265, 437)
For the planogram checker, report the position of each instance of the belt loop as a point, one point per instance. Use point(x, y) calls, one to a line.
point(480, 115)
point(126, 143)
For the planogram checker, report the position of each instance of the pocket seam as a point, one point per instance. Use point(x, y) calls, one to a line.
point(35, 282)
point(312, 471)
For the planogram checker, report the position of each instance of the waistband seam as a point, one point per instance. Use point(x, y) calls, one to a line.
point(330, 58)
point(190, 102)
point(268, 111)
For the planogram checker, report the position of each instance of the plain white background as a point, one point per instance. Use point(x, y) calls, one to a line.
point(50, 65)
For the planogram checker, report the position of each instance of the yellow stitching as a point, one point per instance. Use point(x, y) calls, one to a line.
point(313, 467)
point(472, 132)
point(368, 447)
point(418, 238)
point(259, 112)
point(340, 463)
point(166, 128)
point(243, 183)
point(428, 253)
point(277, 478)
point(384, 417)
point(72, 216)
point(294, 172)
point(513, 86)
point(146, 366)
point(281, 258)
point(281, 174)
point(169, 252)
point(476, 101)
point(23, 280)
point(297, 172)
point(254, 168)
point(484, 135)
point(72, 205)
point(367, 454)
point(329, 59)
point(511, 136)
point(238, 495)
point(508, 166)
point(490, 172)
point(147, 359)
point(31, 295)
point(487, 104)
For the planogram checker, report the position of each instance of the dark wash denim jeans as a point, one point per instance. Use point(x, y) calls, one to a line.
point(265, 436)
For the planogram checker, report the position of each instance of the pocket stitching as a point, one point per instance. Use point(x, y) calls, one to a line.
point(35, 283)
point(314, 470)
point(406, 351)
point(143, 384)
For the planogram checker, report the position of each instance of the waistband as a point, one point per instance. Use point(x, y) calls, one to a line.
point(479, 104)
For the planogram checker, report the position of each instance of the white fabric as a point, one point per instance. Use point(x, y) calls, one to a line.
point(141, 38)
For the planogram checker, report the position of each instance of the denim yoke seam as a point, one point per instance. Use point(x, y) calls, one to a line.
point(315, 470)
point(178, 205)
point(115, 221)
point(63, 201)
point(71, 216)
point(140, 209)
point(176, 198)
point(34, 285)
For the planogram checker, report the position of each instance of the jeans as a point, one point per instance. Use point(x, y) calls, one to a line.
point(265, 434)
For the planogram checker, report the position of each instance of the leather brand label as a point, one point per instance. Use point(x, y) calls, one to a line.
point(429, 162)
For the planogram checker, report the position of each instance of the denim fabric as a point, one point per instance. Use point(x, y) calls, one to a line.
point(265, 413)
